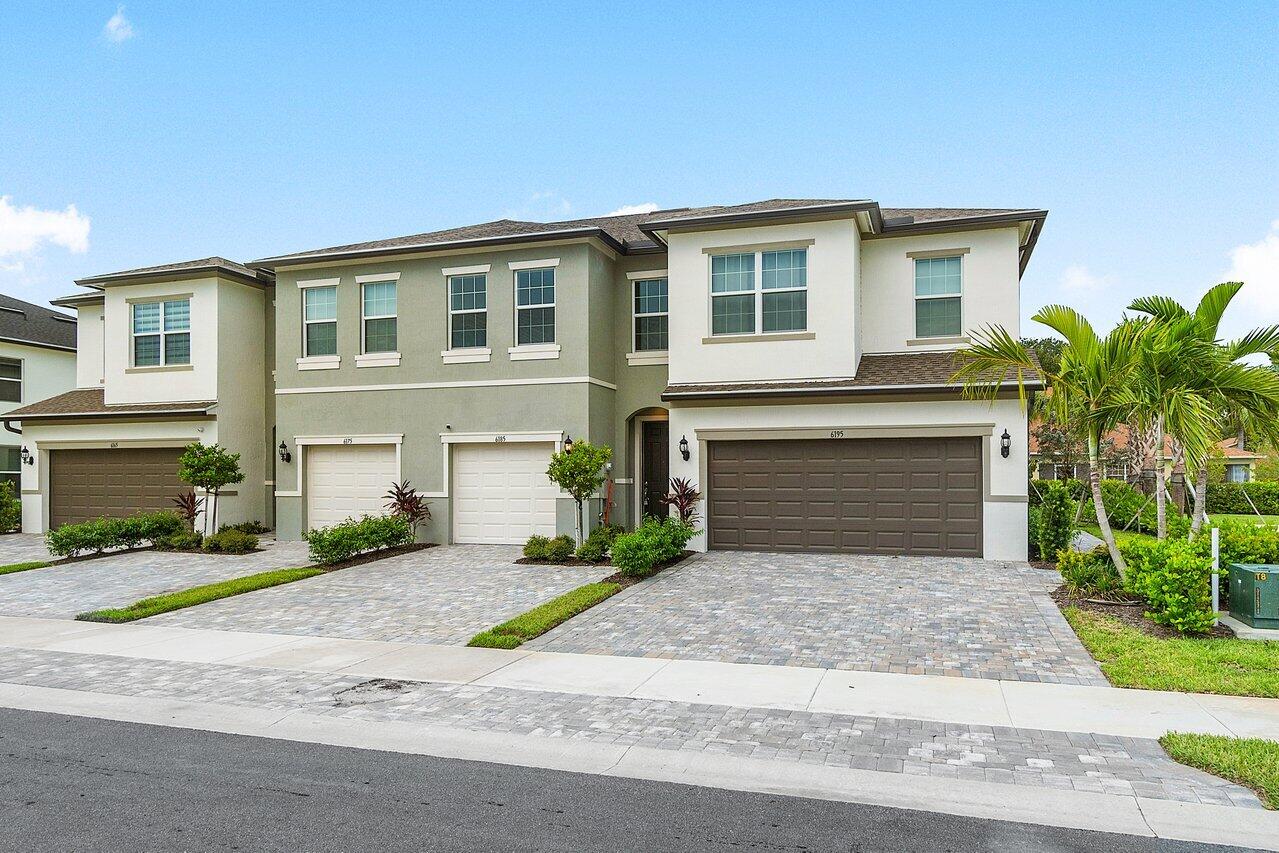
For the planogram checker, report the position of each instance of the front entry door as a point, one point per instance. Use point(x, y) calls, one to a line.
point(655, 467)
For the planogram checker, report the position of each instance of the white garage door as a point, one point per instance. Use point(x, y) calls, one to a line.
point(345, 481)
point(501, 493)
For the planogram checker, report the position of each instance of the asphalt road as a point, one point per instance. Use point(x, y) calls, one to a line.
point(77, 784)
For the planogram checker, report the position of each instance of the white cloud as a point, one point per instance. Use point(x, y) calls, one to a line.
point(118, 28)
point(1077, 279)
point(630, 209)
point(1257, 266)
point(24, 230)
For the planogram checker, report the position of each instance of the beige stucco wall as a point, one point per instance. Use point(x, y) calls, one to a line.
point(89, 346)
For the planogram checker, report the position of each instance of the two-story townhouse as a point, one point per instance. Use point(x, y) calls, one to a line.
point(166, 356)
point(37, 360)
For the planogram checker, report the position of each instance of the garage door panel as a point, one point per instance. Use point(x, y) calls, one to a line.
point(112, 482)
point(501, 494)
point(347, 481)
point(892, 496)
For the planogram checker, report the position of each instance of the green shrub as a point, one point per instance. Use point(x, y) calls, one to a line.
point(1075, 488)
point(104, 534)
point(346, 539)
point(1129, 508)
point(1244, 542)
point(537, 547)
point(185, 540)
point(1229, 497)
point(252, 527)
point(1174, 576)
point(10, 507)
point(596, 547)
point(1088, 573)
point(653, 543)
point(1032, 532)
point(231, 542)
point(1056, 516)
point(560, 548)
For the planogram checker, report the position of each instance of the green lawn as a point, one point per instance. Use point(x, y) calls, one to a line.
point(544, 617)
point(1251, 762)
point(198, 595)
point(1130, 658)
point(23, 567)
point(1121, 536)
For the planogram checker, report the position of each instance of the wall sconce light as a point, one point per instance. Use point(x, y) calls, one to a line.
point(1005, 442)
point(683, 447)
point(27, 457)
point(568, 444)
point(285, 456)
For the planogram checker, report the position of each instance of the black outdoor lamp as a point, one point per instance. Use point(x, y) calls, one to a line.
point(568, 444)
point(27, 457)
point(683, 447)
point(285, 456)
point(1005, 442)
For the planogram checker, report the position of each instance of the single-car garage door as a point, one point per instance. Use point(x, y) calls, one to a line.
point(85, 484)
point(870, 496)
point(501, 493)
point(347, 481)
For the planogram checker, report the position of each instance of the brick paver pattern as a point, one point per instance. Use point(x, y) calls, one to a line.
point(920, 615)
point(1068, 761)
point(443, 595)
point(116, 580)
point(22, 548)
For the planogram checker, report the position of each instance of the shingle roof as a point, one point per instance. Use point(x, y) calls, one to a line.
point(26, 323)
point(200, 265)
point(89, 402)
point(875, 373)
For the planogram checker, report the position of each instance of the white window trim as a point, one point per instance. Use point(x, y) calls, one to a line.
point(648, 358)
point(322, 359)
point(21, 380)
point(373, 278)
point(759, 292)
point(532, 351)
point(635, 357)
point(643, 275)
point(919, 339)
point(366, 358)
point(474, 269)
point(161, 334)
point(457, 356)
point(533, 265)
point(319, 282)
point(320, 362)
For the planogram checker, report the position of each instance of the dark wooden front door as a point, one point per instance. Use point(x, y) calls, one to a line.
point(655, 467)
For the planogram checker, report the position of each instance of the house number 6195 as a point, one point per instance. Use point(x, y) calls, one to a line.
point(837, 433)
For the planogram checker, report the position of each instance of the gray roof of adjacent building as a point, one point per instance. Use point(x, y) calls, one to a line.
point(25, 323)
point(90, 403)
point(212, 265)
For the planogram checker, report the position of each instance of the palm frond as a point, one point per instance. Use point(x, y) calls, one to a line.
point(1213, 305)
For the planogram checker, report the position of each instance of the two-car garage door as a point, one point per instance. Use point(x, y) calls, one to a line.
point(872, 496)
point(111, 482)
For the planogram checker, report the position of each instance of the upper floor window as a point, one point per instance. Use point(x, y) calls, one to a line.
point(378, 298)
point(651, 315)
point(778, 304)
point(938, 289)
point(11, 380)
point(320, 315)
point(535, 306)
point(468, 311)
point(162, 333)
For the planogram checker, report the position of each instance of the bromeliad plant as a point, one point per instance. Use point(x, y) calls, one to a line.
point(188, 507)
point(405, 502)
point(683, 496)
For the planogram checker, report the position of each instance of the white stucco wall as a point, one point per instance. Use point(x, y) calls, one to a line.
point(89, 343)
point(199, 381)
point(991, 286)
point(45, 373)
point(832, 273)
point(1003, 480)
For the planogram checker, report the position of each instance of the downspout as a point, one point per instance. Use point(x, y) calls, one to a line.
point(8, 425)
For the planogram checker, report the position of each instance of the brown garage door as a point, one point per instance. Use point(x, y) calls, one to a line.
point(871, 496)
point(86, 484)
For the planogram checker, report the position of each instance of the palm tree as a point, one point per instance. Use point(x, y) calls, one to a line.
point(1091, 385)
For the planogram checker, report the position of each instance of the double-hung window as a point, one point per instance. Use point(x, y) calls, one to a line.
point(651, 315)
point(11, 467)
point(535, 306)
point(759, 292)
point(162, 333)
point(468, 311)
point(938, 297)
point(378, 299)
point(320, 319)
point(11, 380)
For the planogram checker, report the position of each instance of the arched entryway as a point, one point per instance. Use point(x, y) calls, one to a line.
point(650, 462)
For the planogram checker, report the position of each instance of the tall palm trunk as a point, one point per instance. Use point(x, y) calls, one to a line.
point(1161, 483)
point(1201, 499)
point(1094, 483)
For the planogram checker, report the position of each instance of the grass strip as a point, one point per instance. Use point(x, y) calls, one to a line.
point(1130, 658)
point(198, 595)
point(544, 617)
point(1251, 762)
point(23, 567)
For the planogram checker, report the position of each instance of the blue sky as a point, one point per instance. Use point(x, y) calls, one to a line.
point(157, 132)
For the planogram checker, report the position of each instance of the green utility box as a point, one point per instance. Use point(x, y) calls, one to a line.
point(1254, 594)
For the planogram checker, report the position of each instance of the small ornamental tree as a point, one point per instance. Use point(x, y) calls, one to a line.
point(579, 470)
point(209, 467)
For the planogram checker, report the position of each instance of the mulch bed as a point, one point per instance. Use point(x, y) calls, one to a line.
point(1132, 612)
point(617, 577)
point(571, 561)
point(374, 556)
point(62, 561)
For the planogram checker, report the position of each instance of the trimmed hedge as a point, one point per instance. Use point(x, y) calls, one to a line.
point(654, 542)
point(1036, 489)
point(230, 541)
point(346, 539)
point(1229, 497)
point(556, 550)
point(598, 544)
point(1056, 518)
point(105, 534)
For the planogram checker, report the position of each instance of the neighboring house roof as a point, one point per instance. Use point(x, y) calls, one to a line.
point(25, 323)
point(923, 371)
point(640, 232)
point(88, 402)
point(1232, 451)
point(215, 264)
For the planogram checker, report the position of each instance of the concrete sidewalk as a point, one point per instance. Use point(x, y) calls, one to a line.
point(1064, 708)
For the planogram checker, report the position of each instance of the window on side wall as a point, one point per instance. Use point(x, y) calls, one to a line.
point(938, 297)
point(320, 315)
point(162, 333)
point(759, 292)
point(11, 467)
point(1236, 473)
point(11, 380)
point(468, 311)
point(651, 315)
point(535, 306)
point(379, 306)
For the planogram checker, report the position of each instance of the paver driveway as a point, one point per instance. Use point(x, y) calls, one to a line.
point(440, 595)
point(60, 592)
point(926, 615)
point(22, 548)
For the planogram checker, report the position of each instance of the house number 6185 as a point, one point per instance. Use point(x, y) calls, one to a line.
point(499, 438)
